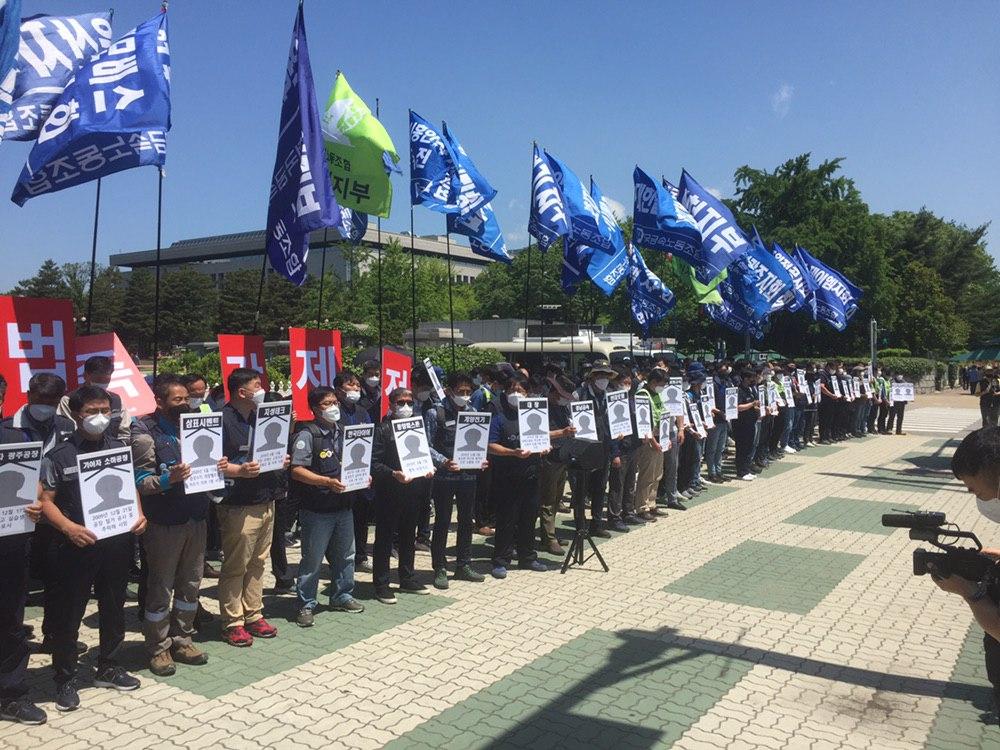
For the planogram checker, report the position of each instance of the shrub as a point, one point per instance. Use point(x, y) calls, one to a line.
point(940, 371)
point(913, 368)
point(894, 353)
point(952, 374)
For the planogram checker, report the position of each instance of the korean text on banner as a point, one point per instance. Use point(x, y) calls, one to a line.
point(201, 450)
point(356, 464)
point(316, 358)
point(37, 337)
point(237, 350)
point(107, 491)
point(472, 434)
point(126, 380)
point(396, 368)
point(270, 435)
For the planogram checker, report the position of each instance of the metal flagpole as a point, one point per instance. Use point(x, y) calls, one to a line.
point(413, 283)
point(628, 290)
point(156, 298)
point(260, 289)
point(451, 309)
point(378, 231)
point(322, 279)
point(93, 259)
point(527, 294)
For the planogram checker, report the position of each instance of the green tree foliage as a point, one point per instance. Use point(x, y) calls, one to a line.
point(188, 308)
point(136, 326)
point(49, 283)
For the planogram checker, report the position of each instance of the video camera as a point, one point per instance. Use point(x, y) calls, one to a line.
point(933, 527)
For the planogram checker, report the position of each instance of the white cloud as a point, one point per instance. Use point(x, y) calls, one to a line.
point(617, 208)
point(715, 191)
point(781, 100)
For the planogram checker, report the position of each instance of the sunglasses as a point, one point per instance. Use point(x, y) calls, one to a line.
point(404, 402)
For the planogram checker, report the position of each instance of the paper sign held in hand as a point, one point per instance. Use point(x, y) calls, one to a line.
point(411, 445)
point(533, 424)
point(472, 436)
point(19, 464)
point(107, 491)
point(356, 462)
point(270, 435)
point(201, 450)
point(619, 419)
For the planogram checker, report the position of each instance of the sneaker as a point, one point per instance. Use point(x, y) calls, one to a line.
point(162, 665)
point(67, 699)
point(441, 579)
point(305, 618)
point(411, 586)
point(351, 606)
point(117, 679)
point(790, 449)
point(499, 571)
point(261, 629)
point(209, 572)
point(466, 573)
point(187, 653)
point(237, 636)
point(633, 520)
point(365, 566)
point(748, 477)
point(619, 526)
point(384, 594)
point(648, 517)
point(553, 547)
point(599, 533)
point(420, 546)
point(23, 712)
point(676, 505)
point(687, 494)
point(535, 565)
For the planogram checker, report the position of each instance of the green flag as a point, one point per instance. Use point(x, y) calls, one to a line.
point(357, 148)
point(707, 293)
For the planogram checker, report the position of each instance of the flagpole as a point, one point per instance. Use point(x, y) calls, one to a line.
point(260, 288)
point(156, 302)
point(451, 309)
point(322, 279)
point(628, 290)
point(413, 283)
point(93, 259)
point(527, 295)
point(378, 231)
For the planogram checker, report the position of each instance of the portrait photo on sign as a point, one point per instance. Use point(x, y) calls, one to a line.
point(643, 417)
point(584, 420)
point(732, 403)
point(665, 428)
point(356, 461)
point(107, 491)
point(533, 424)
point(19, 465)
point(201, 450)
point(270, 435)
point(619, 419)
point(472, 432)
point(411, 445)
point(673, 400)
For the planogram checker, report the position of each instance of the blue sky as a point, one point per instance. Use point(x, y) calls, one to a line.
point(906, 91)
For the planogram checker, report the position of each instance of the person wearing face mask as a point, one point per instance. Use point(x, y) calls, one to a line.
point(897, 410)
point(484, 395)
point(622, 478)
point(425, 405)
point(84, 563)
point(371, 389)
point(876, 402)
point(246, 515)
point(97, 371)
point(197, 388)
point(827, 407)
point(174, 542)
point(552, 471)
point(715, 444)
point(397, 503)
point(976, 462)
point(348, 388)
point(325, 516)
point(649, 457)
point(452, 487)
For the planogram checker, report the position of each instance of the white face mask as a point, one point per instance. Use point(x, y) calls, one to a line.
point(96, 424)
point(513, 399)
point(601, 383)
point(372, 382)
point(660, 388)
point(195, 402)
point(424, 395)
point(989, 508)
point(352, 397)
point(332, 414)
point(404, 410)
point(460, 401)
point(41, 412)
point(258, 396)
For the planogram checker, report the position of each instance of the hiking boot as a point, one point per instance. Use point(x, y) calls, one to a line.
point(188, 653)
point(352, 606)
point(162, 665)
point(305, 618)
point(466, 573)
point(261, 629)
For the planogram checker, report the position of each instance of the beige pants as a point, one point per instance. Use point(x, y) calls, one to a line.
point(649, 462)
point(246, 543)
point(175, 559)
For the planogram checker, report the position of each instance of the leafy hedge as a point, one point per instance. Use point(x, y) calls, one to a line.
point(894, 353)
point(914, 368)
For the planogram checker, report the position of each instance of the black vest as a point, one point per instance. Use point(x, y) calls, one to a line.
point(173, 507)
point(327, 447)
point(63, 458)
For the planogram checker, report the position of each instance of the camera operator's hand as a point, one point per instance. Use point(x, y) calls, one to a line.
point(991, 552)
point(952, 584)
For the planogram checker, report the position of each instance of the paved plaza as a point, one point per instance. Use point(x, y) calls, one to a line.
point(771, 614)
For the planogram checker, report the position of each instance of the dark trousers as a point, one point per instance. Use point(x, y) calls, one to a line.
point(13, 592)
point(826, 411)
point(809, 425)
point(873, 416)
point(591, 484)
point(103, 567)
point(396, 508)
point(883, 415)
point(517, 511)
point(362, 504)
point(621, 487)
point(42, 541)
point(448, 493)
point(743, 436)
point(896, 415)
point(424, 518)
point(992, 648)
point(761, 455)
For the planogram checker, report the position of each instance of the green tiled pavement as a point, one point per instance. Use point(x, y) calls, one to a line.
point(958, 723)
point(601, 690)
point(847, 514)
point(714, 492)
point(769, 576)
point(820, 451)
point(232, 668)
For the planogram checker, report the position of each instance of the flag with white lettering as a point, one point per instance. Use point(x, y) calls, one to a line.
point(301, 197)
point(660, 222)
point(483, 230)
point(834, 299)
point(10, 37)
point(468, 186)
point(113, 115)
point(649, 298)
point(723, 242)
point(768, 282)
point(574, 266)
point(802, 286)
point(587, 225)
point(431, 167)
point(353, 225)
point(607, 269)
point(547, 221)
point(49, 50)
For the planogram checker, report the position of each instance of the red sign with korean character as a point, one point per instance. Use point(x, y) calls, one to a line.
point(316, 360)
point(236, 350)
point(396, 369)
point(37, 337)
point(126, 380)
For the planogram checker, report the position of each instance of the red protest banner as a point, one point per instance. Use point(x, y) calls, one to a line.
point(316, 359)
point(38, 337)
point(126, 380)
point(396, 369)
point(236, 350)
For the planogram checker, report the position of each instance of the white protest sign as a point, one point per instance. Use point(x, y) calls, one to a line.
point(856, 385)
point(19, 463)
point(665, 433)
point(411, 445)
point(732, 403)
point(772, 398)
point(707, 404)
point(699, 426)
point(432, 374)
point(533, 424)
point(584, 420)
point(201, 449)
point(761, 400)
point(472, 435)
point(786, 383)
point(356, 458)
point(643, 417)
point(673, 400)
point(902, 392)
point(107, 491)
point(835, 386)
point(270, 435)
point(619, 419)
point(818, 391)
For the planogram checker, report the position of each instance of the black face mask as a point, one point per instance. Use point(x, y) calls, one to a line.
point(174, 412)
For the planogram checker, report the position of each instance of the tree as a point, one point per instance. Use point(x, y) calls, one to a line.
point(110, 292)
point(188, 308)
point(238, 300)
point(48, 283)
point(136, 326)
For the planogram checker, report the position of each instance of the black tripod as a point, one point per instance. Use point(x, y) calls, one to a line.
point(575, 554)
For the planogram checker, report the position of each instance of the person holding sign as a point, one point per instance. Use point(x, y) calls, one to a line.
point(325, 515)
point(246, 515)
point(81, 562)
point(14, 652)
point(689, 471)
point(649, 454)
point(898, 408)
point(516, 486)
point(828, 400)
point(98, 370)
point(349, 397)
point(174, 541)
point(552, 472)
point(715, 445)
point(397, 500)
point(454, 485)
point(746, 424)
point(622, 479)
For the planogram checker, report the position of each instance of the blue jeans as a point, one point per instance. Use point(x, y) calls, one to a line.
point(330, 535)
point(786, 432)
point(715, 446)
point(798, 422)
